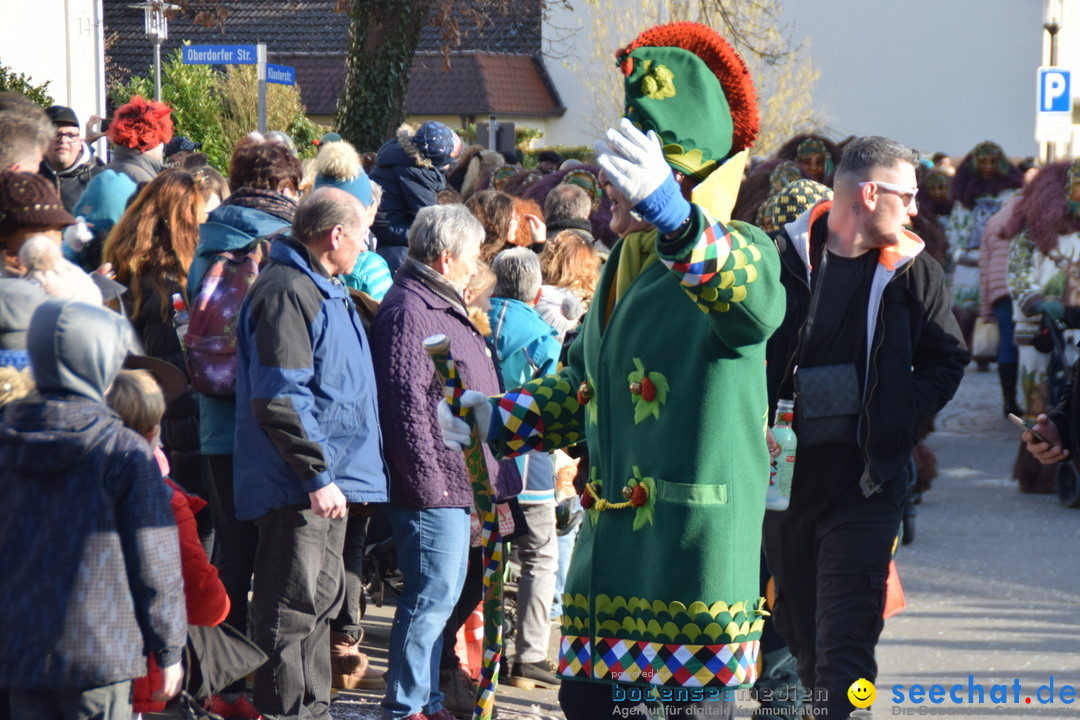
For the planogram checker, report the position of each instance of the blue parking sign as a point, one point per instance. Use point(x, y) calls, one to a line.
point(1055, 91)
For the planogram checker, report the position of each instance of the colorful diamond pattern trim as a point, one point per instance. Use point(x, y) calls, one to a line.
point(660, 664)
point(520, 414)
point(575, 656)
point(707, 255)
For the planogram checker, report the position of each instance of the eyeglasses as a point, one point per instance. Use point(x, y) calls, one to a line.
point(68, 137)
point(907, 195)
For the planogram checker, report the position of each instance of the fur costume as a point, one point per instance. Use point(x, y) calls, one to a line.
point(790, 151)
point(975, 200)
point(1044, 265)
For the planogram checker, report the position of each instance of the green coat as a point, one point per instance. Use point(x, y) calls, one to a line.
point(665, 593)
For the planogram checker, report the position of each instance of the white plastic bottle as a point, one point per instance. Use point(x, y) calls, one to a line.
point(779, 493)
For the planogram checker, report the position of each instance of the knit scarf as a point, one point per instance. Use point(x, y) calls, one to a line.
point(638, 252)
point(268, 201)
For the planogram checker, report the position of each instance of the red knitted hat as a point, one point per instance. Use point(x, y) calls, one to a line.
point(141, 124)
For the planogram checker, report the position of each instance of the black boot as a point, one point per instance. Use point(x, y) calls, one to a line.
point(1007, 373)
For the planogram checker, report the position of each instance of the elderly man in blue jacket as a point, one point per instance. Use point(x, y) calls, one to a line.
point(307, 442)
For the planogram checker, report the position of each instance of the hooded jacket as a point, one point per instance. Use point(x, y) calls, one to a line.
point(71, 183)
point(409, 182)
point(915, 356)
point(526, 347)
point(229, 227)
point(306, 411)
point(89, 554)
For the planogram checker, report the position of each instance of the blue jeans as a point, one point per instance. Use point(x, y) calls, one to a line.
point(1003, 313)
point(432, 554)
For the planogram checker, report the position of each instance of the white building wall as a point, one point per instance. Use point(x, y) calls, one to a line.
point(59, 41)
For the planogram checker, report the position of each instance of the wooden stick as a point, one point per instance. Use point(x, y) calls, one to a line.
point(438, 346)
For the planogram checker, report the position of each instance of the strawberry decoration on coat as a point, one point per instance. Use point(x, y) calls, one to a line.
point(648, 390)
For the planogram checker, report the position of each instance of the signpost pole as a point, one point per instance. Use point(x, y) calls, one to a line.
point(1053, 118)
point(260, 52)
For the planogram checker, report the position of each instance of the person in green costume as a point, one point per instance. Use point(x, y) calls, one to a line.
point(666, 382)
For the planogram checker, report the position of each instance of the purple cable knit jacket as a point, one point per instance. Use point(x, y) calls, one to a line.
point(424, 473)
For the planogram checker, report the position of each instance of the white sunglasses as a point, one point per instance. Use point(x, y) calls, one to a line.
point(907, 194)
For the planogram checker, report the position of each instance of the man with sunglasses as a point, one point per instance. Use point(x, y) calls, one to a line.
point(69, 162)
point(869, 348)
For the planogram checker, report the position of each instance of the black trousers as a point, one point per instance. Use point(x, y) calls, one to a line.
point(348, 620)
point(593, 701)
point(298, 588)
point(471, 595)
point(236, 541)
point(830, 573)
point(107, 702)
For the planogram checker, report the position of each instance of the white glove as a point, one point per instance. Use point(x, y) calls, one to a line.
point(456, 433)
point(635, 164)
point(633, 161)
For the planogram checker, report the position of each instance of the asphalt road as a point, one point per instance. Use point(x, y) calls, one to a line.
point(991, 579)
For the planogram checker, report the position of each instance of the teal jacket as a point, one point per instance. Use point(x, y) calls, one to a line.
point(370, 274)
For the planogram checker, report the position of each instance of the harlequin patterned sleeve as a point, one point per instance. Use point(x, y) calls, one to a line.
point(544, 414)
point(732, 273)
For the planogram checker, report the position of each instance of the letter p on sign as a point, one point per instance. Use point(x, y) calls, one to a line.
point(1054, 92)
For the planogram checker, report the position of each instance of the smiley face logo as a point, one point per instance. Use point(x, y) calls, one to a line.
point(862, 693)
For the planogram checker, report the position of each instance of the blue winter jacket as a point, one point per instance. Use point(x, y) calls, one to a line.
point(229, 227)
point(306, 409)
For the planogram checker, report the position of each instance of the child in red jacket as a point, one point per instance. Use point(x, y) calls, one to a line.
point(136, 397)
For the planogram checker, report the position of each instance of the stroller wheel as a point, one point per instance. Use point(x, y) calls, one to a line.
point(1068, 484)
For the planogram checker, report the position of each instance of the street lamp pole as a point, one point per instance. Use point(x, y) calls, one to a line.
point(157, 29)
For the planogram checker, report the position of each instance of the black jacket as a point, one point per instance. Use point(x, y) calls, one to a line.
point(1066, 415)
point(70, 183)
point(409, 182)
point(916, 353)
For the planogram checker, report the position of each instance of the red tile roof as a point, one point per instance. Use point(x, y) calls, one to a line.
point(496, 68)
point(474, 84)
point(480, 84)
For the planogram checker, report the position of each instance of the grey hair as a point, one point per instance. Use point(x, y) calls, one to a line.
point(567, 201)
point(517, 274)
point(862, 155)
point(443, 227)
point(322, 210)
point(25, 131)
